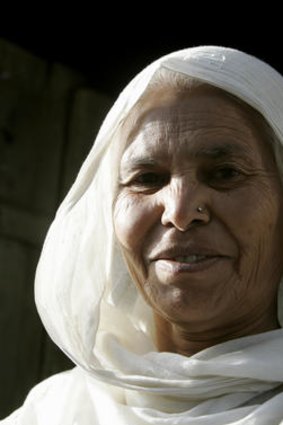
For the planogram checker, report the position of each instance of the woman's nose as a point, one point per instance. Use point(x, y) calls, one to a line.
point(185, 205)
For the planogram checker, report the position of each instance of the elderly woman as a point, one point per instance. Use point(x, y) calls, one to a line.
point(160, 275)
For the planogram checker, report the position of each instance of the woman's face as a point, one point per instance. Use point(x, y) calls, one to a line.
point(216, 267)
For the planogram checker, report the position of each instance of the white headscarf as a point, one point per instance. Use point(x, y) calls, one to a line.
point(92, 311)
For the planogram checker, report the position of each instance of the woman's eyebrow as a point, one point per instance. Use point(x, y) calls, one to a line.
point(220, 151)
point(139, 162)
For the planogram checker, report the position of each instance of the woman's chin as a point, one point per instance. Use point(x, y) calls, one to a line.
point(190, 294)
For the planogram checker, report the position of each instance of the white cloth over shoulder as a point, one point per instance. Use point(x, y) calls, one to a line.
point(92, 311)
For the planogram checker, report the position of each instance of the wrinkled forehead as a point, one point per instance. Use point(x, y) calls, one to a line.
point(202, 106)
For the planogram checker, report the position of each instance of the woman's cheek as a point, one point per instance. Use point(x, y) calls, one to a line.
point(132, 214)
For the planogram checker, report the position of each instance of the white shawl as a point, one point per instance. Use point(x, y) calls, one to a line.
point(93, 312)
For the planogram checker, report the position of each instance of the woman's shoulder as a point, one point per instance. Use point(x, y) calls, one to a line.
point(49, 400)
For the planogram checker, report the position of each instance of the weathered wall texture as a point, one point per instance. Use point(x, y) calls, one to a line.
point(48, 120)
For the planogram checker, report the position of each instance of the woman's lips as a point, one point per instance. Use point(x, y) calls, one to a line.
point(187, 258)
point(188, 264)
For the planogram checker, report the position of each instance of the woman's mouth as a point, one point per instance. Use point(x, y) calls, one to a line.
point(191, 263)
point(187, 264)
point(190, 259)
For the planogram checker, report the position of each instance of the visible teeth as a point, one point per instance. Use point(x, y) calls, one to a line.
point(190, 259)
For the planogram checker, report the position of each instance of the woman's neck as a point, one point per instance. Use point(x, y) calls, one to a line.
point(178, 339)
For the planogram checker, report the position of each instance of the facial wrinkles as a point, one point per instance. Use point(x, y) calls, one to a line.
point(183, 135)
point(187, 144)
point(178, 132)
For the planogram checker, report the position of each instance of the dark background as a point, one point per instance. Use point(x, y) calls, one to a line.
point(109, 55)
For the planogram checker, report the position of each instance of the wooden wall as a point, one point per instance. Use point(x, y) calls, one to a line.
point(48, 119)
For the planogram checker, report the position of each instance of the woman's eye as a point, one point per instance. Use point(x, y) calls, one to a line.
point(223, 176)
point(149, 180)
point(226, 173)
